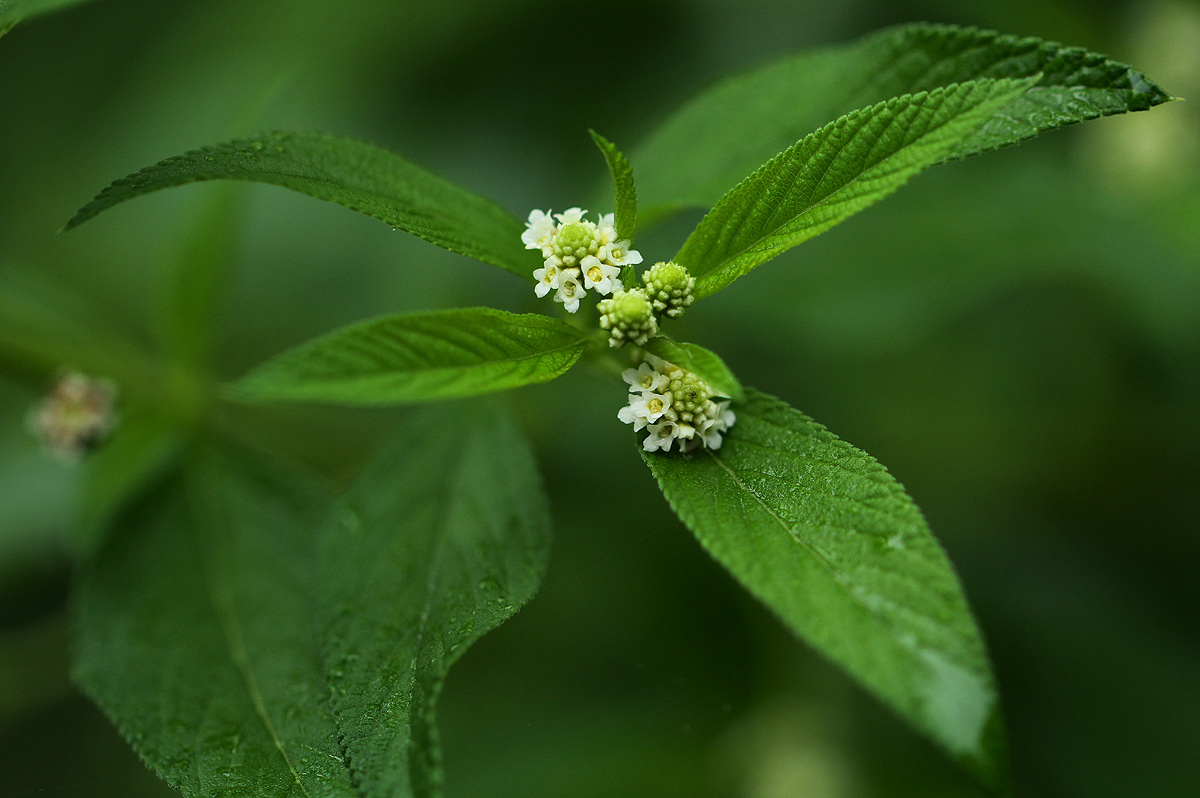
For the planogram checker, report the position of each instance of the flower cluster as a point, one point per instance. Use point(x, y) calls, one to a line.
point(674, 405)
point(579, 255)
point(75, 416)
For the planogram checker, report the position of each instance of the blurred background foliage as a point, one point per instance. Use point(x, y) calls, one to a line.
point(1017, 337)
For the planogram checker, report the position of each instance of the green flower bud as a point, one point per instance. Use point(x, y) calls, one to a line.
point(628, 316)
point(691, 397)
point(669, 287)
point(574, 242)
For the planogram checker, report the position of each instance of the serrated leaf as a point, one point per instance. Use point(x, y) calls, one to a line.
point(824, 536)
point(13, 11)
point(696, 358)
point(358, 176)
point(246, 648)
point(417, 357)
point(834, 173)
point(726, 132)
point(624, 192)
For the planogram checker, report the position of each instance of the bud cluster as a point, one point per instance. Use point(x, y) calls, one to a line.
point(669, 287)
point(75, 416)
point(673, 404)
point(628, 316)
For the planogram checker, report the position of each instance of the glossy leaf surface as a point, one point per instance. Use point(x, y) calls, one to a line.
point(246, 647)
point(829, 541)
point(358, 176)
point(833, 174)
point(725, 133)
point(418, 357)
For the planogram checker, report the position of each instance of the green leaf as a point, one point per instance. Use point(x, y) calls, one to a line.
point(245, 648)
point(834, 173)
point(138, 454)
point(13, 11)
point(699, 360)
point(824, 536)
point(725, 133)
point(417, 357)
point(361, 177)
point(624, 192)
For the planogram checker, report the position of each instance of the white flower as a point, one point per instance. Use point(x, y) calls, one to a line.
point(645, 378)
point(538, 230)
point(599, 276)
point(570, 216)
point(650, 406)
point(661, 436)
point(548, 277)
point(618, 253)
point(569, 290)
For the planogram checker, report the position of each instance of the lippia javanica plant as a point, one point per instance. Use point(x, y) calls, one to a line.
point(252, 636)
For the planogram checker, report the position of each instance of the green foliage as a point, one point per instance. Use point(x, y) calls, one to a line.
point(723, 134)
point(416, 357)
point(245, 646)
point(695, 358)
point(825, 537)
point(624, 192)
point(833, 174)
point(13, 11)
point(361, 177)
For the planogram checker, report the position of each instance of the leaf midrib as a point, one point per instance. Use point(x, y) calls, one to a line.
point(829, 199)
point(231, 632)
point(817, 555)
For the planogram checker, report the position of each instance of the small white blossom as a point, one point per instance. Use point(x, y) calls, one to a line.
point(645, 378)
point(538, 229)
point(569, 290)
point(570, 216)
point(661, 436)
point(600, 276)
point(548, 278)
point(618, 253)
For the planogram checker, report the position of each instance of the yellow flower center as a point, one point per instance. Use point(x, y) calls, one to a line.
point(655, 405)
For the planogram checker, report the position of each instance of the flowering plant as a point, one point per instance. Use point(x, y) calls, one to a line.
point(325, 624)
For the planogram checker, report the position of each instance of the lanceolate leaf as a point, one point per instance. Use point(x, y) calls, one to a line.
point(695, 358)
point(246, 648)
point(13, 11)
point(624, 193)
point(418, 357)
point(361, 177)
point(834, 173)
point(726, 132)
point(825, 537)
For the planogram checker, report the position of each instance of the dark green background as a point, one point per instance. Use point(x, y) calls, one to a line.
point(1017, 337)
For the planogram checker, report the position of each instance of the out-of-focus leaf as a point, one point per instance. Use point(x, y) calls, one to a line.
point(624, 192)
point(44, 329)
point(140, 451)
point(245, 648)
point(196, 281)
point(695, 358)
point(416, 357)
point(358, 176)
point(726, 132)
point(13, 11)
point(834, 173)
point(825, 537)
